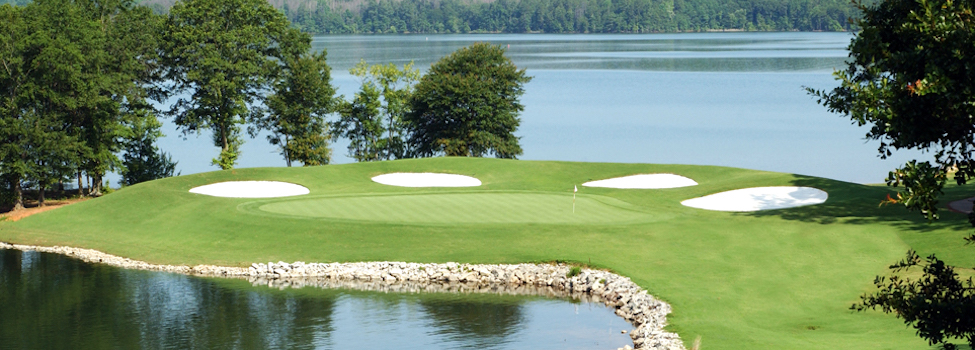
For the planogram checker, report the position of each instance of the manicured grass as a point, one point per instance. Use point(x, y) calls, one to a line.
point(465, 208)
point(781, 279)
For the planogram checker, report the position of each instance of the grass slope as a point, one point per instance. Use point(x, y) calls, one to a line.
point(780, 279)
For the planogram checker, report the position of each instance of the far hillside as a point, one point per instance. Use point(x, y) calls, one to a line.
point(555, 16)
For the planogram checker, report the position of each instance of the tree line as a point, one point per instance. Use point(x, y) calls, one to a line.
point(568, 16)
point(78, 78)
point(556, 16)
point(74, 90)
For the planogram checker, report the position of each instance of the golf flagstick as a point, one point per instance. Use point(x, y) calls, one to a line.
point(574, 190)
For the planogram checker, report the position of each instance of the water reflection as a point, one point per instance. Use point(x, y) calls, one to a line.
point(50, 301)
point(710, 52)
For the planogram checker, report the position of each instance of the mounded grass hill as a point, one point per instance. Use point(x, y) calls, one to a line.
point(779, 279)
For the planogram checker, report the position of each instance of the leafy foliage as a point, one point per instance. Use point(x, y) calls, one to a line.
point(68, 66)
point(302, 97)
point(225, 53)
point(912, 81)
point(373, 121)
point(938, 304)
point(143, 161)
point(562, 16)
point(467, 105)
point(361, 123)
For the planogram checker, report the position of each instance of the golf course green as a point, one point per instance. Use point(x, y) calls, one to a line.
point(467, 208)
point(775, 279)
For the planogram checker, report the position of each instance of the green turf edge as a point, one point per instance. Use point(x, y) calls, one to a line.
point(755, 280)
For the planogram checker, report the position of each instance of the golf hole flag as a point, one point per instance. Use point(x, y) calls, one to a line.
point(574, 190)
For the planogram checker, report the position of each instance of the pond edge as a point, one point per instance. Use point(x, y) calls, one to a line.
point(631, 302)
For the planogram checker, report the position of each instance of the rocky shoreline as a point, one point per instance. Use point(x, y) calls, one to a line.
point(647, 314)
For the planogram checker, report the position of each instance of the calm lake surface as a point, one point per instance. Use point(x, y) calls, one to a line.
point(54, 302)
point(732, 99)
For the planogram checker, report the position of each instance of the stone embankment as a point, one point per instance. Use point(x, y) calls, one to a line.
point(646, 313)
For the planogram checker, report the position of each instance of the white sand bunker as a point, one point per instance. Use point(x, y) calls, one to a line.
point(251, 189)
point(426, 180)
point(644, 181)
point(759, 198)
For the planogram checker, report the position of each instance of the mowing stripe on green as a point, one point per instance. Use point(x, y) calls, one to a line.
point(495, 208)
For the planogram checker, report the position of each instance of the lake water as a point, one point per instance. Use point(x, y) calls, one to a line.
point(732, 99)
point(54, 302)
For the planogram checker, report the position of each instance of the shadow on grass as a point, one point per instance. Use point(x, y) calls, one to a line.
point(861, 205)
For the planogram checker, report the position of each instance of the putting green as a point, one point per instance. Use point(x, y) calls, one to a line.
point(466, 208)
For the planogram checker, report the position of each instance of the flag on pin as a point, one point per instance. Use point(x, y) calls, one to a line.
point(574, 190)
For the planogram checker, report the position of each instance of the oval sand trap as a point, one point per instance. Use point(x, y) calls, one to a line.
point(759, 198)
point(644, 181)
point(426, 180)
point(251, 189)
point(467, 208)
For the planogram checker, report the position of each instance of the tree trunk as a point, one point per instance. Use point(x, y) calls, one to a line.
point(19, 193)
point(389, 137)
point(223, 139)
point(81, 186)
point(96, 185)
point(287, 155)
point(40, 193)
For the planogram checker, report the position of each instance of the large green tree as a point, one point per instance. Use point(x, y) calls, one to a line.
point(224, 54)
point(14, 78)
point(303, 97)
point(69, 67)
point(120, 67)
point(468, 105)
point(911, 80)
point(373, 121)
point(42, 57)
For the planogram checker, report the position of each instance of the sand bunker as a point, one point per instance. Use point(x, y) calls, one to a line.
point(759, 198)
point(644, 181)
point(251, 189)
point(426, 180)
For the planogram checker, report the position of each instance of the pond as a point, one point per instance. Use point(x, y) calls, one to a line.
point(51, 301)
point(731, 99)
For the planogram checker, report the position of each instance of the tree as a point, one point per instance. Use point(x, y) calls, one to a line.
point(13, 80)
point(467, 105)
point(303, 97)
point(120, 66)
point(382, 127)
point(224, 53)
point(911, 79)
point(361, 123)
point(143, 161)
point(42, 57)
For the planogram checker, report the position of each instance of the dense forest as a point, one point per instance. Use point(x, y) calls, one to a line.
point(555, 16)
point(566, 16)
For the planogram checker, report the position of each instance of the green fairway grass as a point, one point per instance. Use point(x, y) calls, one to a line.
point(466, 208)
point(778, 279)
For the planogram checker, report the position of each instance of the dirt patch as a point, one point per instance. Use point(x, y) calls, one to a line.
point(32, 208)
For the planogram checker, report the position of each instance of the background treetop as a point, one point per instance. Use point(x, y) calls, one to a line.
point(468, 105)
point(225, 53)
